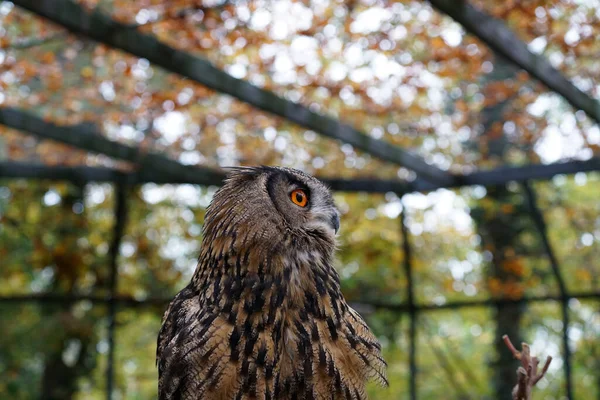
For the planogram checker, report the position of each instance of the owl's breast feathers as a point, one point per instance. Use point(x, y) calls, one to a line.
point(265, 325)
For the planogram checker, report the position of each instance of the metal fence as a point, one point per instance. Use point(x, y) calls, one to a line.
point(157, 168)
point(410, 307)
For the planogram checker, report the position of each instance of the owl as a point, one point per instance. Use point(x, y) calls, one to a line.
point(263, 316)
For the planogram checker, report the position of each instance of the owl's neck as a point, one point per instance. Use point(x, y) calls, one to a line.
point(269, 282)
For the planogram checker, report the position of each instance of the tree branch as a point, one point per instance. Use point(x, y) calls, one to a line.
point(527, 373)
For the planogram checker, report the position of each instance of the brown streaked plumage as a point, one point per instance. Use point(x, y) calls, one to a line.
point(264, 317)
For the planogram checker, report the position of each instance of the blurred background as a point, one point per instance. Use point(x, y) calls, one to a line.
point(461, 138)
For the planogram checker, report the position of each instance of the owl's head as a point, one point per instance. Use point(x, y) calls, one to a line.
point(270, 202)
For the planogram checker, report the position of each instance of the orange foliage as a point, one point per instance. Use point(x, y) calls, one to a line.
point(514, 266)
point(72, 71)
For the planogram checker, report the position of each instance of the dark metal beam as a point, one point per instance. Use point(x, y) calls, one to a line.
point(102, 28)
point(498, 37)
point(128, 301)
point(453, 305)
point(368, 185)
point(84, 174)
point(494, 177)
point(66, 299)
point(87, 137)
point(76, 174)
point(500, 176)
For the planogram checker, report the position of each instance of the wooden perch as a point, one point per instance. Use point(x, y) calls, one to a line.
point(527, 373)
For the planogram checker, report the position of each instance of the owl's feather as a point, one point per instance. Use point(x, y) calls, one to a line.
point(264, 317)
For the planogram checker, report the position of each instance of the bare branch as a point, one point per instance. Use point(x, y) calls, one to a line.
point(516, 354)
point(527, 373)
point(544, 370)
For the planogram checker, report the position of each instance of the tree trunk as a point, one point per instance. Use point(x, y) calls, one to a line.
point(499, 231)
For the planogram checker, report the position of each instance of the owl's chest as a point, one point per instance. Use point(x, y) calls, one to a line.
point(303, 274)
point(296, 289)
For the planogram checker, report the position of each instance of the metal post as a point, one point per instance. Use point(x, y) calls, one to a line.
point(412, 310)
point(540, 224)
point(120, 219)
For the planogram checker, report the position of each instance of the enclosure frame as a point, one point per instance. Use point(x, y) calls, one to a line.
point(153, 167)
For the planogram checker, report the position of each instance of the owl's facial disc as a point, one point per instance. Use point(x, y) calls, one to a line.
point(321, 213)
point(303, 202)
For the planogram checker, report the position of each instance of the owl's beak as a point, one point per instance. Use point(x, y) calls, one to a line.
point(335, 222)
point(328, 219)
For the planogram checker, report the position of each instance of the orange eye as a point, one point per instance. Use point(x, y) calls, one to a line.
point(299, 198)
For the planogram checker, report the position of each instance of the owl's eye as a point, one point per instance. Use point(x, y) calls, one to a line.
point(299, 198)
